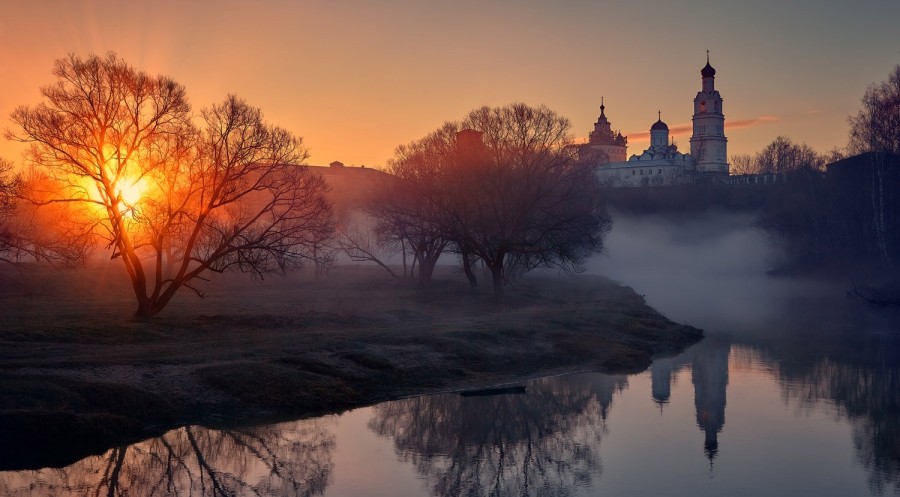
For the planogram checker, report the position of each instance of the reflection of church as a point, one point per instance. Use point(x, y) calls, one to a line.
point(662, 163)
point(708, 361)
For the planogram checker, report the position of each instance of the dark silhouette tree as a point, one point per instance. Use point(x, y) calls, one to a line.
point(502, 186)
point(875, 132)
point(742, 164)
point(54, 235)
point(413, 208)
point(523, 199)
point(781, 156)
point(876, 127)
point(173, 201)
point(9, 185)
point(846, 220)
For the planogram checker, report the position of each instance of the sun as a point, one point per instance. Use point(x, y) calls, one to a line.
point(131, 191)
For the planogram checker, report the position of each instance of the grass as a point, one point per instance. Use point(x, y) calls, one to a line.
point(73, 361)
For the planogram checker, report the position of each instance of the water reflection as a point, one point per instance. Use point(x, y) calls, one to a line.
point(545, 442)
point(289, 459)
point(708, 362)
point(855, 369)
point(794, 397)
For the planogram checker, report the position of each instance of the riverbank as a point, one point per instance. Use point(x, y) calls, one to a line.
point(78, 375)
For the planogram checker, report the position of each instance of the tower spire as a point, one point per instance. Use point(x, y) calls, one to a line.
point(602, 107)
point(708, 71)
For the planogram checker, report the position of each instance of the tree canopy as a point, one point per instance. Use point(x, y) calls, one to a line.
point(173, 199)
point(781, 156)
point(876, 127)
point(503, 186)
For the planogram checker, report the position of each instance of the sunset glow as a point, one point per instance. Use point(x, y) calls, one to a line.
point(356, 80)
point(431, 249)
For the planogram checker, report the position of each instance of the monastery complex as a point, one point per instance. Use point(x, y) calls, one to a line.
point(662, 163)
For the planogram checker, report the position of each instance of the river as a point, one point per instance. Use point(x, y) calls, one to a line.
point(795, 391)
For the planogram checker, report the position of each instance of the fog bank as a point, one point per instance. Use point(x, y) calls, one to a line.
point(708, 270)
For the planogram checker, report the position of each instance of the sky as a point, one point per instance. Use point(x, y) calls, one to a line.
point(357, 78)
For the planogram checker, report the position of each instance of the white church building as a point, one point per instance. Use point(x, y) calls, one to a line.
point(662, 163)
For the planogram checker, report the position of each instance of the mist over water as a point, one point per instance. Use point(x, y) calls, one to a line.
point(708, 270)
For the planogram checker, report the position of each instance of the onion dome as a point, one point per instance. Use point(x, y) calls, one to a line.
point(708, 71)
point(659, 126)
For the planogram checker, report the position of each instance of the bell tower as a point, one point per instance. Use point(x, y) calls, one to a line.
point(709, 146)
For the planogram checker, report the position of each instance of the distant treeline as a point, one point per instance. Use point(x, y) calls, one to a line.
point(688, 198)
point(845, 220)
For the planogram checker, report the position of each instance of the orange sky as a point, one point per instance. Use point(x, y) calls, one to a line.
point(355, 79)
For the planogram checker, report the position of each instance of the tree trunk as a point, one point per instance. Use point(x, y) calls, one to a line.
point(146, 309)
point(497, 277)
point(426, 268)
point(403, 253)
point(467, 268)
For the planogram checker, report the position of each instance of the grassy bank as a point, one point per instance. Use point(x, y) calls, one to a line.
point(78, 375)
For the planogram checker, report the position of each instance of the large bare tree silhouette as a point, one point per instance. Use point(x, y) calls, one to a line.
point(173, 201)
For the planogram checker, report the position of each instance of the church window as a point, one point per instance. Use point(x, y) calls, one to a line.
point(659, 171)
point(632, 172)
point(703, 106)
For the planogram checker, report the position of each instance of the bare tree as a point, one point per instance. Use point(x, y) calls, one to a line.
point(784, 156)
point(503, 186)
point(8, 187)
point(876, 127)
point(173, 201)
point(742, 164)
point(523, 194)
point(362, 244)
point(412, 209)
point(54, 235)
point(835, 154)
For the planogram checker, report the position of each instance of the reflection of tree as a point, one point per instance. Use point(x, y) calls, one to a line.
point(868, 395)
point(846, 357)
point(292, 459)
point(544, 442)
